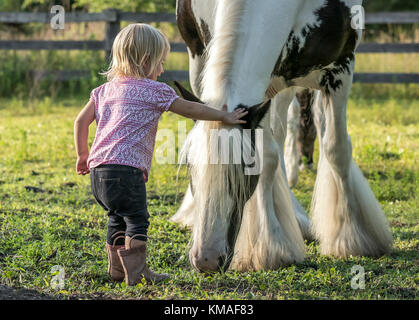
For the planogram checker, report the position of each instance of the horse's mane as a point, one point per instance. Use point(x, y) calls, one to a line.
point(212, 180)
point(220, 52)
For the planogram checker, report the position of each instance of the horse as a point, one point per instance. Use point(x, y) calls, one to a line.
point(256, 54)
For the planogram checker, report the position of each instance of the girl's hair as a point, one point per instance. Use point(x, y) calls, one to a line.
point(136, 52)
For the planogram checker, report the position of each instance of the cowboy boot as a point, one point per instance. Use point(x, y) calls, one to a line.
point(115, 269)
point(135, 272)
point(132, 257)
point(151, 276)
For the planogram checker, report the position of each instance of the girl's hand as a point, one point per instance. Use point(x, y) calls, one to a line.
point(234, 116)
point(81, 165)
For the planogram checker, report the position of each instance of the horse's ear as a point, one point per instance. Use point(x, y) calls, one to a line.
point(255, 114)
point(186, 94)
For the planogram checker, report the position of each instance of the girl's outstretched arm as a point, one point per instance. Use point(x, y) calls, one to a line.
point(81, 135)
point(198, 111)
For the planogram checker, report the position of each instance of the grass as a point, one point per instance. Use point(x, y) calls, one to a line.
point(48, 215)
point(389, 62)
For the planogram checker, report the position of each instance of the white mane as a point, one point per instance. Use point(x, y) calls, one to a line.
point(213, 193)
point(213, 180)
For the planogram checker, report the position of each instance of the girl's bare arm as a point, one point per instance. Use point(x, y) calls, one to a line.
point(198, 111)
point(81, 134)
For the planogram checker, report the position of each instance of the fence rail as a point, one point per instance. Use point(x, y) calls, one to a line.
point(115, 16)
point(104, 16)
point(68, 45)
point(112, 19)
point(178, 46)
point(392, 18)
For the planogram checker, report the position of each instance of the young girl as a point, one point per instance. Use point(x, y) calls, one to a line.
point(127, 109)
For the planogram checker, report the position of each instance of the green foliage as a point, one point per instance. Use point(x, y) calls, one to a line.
point(128, 5)
point(391, 5)
point(10, 5)
point(38, 4)
point(17, 79)
point(32, 5)
point(91, 5)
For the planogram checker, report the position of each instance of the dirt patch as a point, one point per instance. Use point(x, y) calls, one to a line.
point(10, 293)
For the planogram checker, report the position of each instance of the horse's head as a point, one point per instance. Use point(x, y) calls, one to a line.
point(224, 165)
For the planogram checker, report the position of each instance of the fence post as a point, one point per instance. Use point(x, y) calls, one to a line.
point(113, 26)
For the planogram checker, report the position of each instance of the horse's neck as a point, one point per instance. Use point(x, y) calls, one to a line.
point(241, 58)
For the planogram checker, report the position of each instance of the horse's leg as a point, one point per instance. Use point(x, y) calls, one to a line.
point(292, 156)
point(184, 215)
point(346, 216)
point(279, 107)
point(307, 133)
point(269, 235)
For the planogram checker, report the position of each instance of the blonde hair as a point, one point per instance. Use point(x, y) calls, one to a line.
point(136, 52)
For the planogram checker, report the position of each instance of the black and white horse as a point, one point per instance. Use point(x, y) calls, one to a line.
point(255, 53)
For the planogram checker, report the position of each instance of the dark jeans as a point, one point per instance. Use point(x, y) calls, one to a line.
point(121, 191)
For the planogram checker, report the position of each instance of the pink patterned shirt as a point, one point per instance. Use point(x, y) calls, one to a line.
point(127, 112)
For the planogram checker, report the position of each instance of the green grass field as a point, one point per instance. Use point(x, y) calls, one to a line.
point(48, 215)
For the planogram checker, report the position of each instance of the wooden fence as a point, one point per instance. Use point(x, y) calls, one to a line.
point(113, 18)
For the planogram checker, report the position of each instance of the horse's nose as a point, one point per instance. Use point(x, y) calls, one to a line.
point(206, 262)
